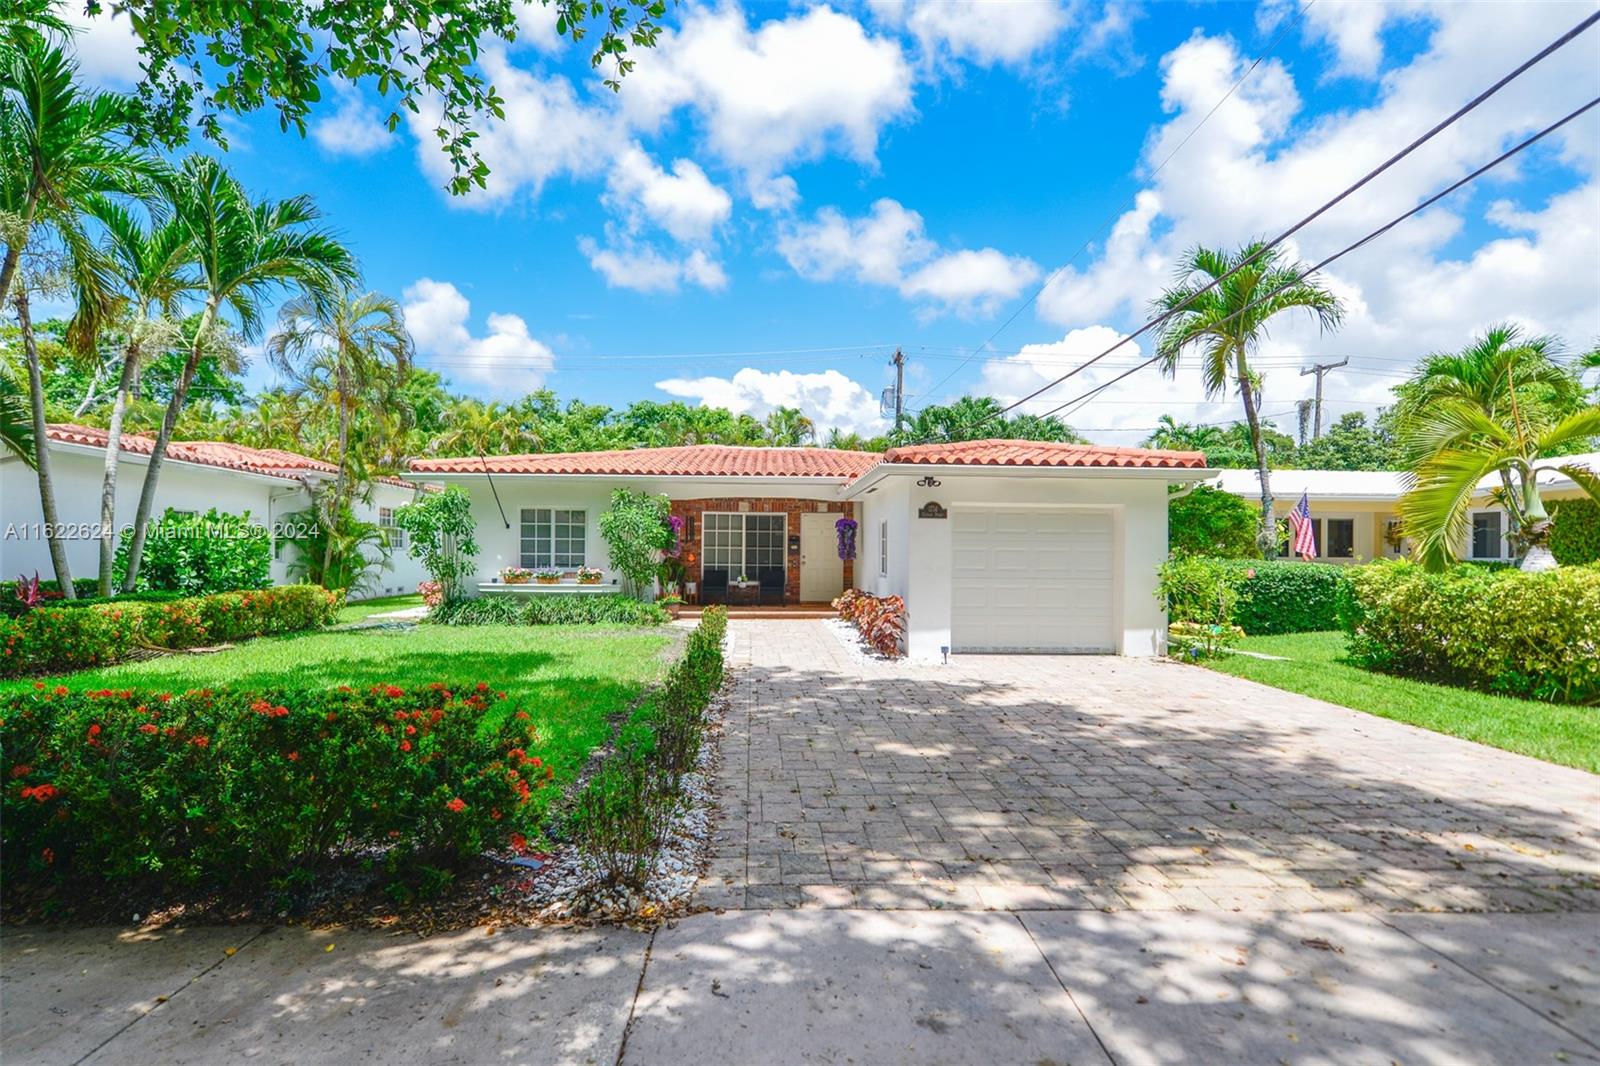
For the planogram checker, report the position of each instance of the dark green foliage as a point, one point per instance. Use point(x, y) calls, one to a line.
point(548, 610)
point(626, 807)
point(1269, 597)
point(1350, 444)
point(977, 418)
point(1520, 634)
point(1209, 521)
point(235, 789)
point(13, 606)
point(55, 639)
point(200, 554)
point(1575, 534)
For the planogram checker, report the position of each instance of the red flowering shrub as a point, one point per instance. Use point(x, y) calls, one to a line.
point(225, 788)
point(57, 639)
point(432, 593)
point(881, 619)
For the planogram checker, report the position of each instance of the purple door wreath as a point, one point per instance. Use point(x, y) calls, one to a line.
point(847, 537)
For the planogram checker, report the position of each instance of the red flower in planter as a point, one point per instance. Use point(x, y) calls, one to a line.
point(40, 793)
point(519, 843)
point(293, 756)
point(94, 729)
point(148, 728)
point(456, 805)
point(200, 742)
point(405, 745)
point(61, 690)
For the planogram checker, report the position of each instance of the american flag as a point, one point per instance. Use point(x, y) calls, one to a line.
point(1304, 541)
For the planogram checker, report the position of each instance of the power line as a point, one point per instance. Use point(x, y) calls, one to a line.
point(1380, 231)
point(1105, 227)
point(1460, 113)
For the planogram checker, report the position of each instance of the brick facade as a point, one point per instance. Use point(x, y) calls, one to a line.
point(691, 511)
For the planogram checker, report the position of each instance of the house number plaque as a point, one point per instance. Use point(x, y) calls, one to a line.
point(932, 510)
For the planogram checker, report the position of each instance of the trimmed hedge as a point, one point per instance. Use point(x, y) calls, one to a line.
point(60, 639)
point(1267, 597)
point(234, 789)
point(552, 610)
point(1531, 635)
point(623, 811)
point(1575, 531)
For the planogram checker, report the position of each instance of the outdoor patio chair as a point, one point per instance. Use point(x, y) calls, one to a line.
point(714, 586)
point(772, 581)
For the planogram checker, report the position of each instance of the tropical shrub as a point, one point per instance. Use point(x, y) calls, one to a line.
point(1209, 521)
point(15, 596)
point(1198, 640)
point(441, 527)
point(613, 610)
point(58, 639)
point(1575, 531)
point(1534, 635)
point(881, 619)
point(1259, 596)
point(637, 533)
point(197, 554)
point(240, 788)
point(360, 550)
point(621, 816)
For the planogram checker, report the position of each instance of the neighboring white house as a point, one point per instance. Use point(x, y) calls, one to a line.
point(995, 545)
point(1356, 513)
point(268, 484)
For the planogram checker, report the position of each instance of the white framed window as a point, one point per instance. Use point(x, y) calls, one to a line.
point(743, 543)
point(392, 534)
point(553, 538)
point(883, 548)
point(1488, 535)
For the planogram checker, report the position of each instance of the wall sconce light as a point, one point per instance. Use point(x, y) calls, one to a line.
point(929, 482)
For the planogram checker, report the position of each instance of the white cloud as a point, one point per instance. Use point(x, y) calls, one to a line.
point(986, 32)
point(547, 132)
point(889, 247)
point(685, 203)
point(536, 25)
point(507, 359)
point(632, 265)
point(105, 46)
point(788, 90)
point(830, 399)
point(1259, 164)
point(354, 128)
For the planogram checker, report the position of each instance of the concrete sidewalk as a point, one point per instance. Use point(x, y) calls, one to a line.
point(812, 986)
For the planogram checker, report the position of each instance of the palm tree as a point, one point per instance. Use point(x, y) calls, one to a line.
point(149, 267)
point(16, 421)
point(1500, 407)
point(1227, 322)
point(59, 148)
point(474, 428)
point(244, 250)
point(788, 427)
point(354, 350)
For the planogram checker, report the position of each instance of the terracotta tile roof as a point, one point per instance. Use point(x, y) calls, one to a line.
point(273, 462)
point(696, 460)
point(1040, 453)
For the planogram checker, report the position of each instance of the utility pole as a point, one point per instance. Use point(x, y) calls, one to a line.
point(900, 387)
point(1320, 369)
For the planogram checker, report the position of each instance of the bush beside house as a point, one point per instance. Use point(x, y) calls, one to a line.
point(1266, 597)
point(1575, 531)
point(197, 554)
point(511, 610)
point(1531, 635)
point(55, 639)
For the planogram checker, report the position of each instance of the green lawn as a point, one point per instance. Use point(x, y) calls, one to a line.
point(355, 612)
point(1313, 666)
point(570, 679)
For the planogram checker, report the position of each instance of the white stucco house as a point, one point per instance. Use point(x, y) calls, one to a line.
point(1356, 513)
point(197, 476)
point(995, 545)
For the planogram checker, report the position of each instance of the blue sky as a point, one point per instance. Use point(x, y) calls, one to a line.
point(782, 193)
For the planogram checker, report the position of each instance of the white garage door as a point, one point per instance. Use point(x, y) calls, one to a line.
point(1032, 580)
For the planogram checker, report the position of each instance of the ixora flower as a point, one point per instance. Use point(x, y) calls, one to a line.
point(456, 805)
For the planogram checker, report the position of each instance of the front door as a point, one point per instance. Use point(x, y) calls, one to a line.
point(821, 569)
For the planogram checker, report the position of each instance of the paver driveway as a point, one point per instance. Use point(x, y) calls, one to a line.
point(1039, 783)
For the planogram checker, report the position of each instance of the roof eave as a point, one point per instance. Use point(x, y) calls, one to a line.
point(1123, 473)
